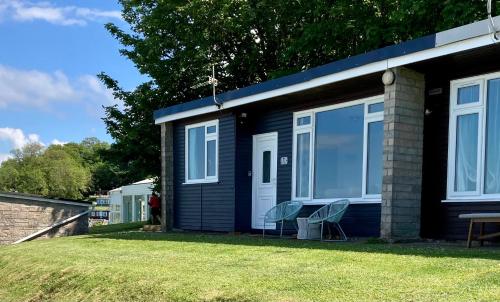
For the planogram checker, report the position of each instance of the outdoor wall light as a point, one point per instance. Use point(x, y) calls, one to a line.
point(243, 118)
point(388, 77)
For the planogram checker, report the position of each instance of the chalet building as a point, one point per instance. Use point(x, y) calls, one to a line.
point(409, 133)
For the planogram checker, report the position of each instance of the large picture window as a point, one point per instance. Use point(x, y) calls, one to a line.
point(474, 145)
point(337, 152)
point(201, 152)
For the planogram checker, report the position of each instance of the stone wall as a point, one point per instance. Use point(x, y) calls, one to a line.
point(22, 216)
point(403, 147)
point(167, 176)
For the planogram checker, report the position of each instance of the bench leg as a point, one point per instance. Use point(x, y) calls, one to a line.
point(481, 233)
point(469, 238)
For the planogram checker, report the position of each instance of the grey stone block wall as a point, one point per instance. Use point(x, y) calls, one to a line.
point(22, 217)
point(167, 176)
point(402, 163)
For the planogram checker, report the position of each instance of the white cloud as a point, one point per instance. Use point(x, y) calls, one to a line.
point(57, 142)
point(32, 88)
point(4, 157)
point(16, 138)
point(27, 11)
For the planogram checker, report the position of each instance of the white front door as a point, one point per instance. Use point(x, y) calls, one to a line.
point(265, 157)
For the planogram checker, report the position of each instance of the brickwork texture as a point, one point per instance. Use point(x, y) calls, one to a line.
point(22, 217)
point(402, 163)
point(167, 176)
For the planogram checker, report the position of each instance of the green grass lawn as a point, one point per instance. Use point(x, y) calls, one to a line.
point(135, 266)
point(119, 227)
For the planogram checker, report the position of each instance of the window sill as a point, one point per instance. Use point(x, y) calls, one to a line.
point(471, 200)
point(351, 200)
point(203, 181)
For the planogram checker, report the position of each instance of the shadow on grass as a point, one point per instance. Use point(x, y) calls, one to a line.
point(410, 249)
point(119, 227)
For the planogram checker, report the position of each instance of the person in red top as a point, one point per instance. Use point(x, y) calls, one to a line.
point(154, 203)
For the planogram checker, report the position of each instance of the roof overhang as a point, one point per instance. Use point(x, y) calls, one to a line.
point(467, 37)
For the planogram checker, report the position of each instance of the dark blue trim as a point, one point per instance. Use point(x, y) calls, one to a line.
point(385, 53)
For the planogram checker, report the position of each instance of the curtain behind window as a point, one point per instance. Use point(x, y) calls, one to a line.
point(466, 153)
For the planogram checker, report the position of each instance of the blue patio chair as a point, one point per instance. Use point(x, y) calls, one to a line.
point(285, 211)
point(332, 213)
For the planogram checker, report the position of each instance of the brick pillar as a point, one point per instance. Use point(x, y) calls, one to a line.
point(403, 146)
point(167, 176)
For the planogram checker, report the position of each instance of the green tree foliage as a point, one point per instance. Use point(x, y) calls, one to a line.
point(91, 153)
point(24, 172)
point(175, 42)
point(64, 175)
point(73, 170)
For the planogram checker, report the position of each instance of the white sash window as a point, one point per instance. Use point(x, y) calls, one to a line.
point(474, 138)
point(337, 152)
point(202, 152)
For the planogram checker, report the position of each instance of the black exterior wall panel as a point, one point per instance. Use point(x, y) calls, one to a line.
point(210, 206)
point(440, 219)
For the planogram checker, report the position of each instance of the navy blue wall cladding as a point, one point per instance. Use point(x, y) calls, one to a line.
point(360, 220)
point(243, 209)
point(211, 206)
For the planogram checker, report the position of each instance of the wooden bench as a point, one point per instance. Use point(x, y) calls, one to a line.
point(481, 218)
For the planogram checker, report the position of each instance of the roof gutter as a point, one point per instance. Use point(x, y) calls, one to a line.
point(447, 42)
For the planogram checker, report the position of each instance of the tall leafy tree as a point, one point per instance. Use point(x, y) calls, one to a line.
point(73, 170)
point(24, 172)
point(175, 42)
point(65, 176)
point(92, 153)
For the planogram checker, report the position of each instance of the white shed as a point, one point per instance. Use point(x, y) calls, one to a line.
point(130, 203)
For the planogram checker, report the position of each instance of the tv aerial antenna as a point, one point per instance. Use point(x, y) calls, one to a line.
point(212, 80)
point(491, 9)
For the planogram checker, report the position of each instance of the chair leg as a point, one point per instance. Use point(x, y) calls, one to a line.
point(321, 234)
point(264, 230)
point(341, 231)
point(281, 230)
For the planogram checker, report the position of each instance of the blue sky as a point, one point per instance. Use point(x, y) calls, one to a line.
point(50, 54)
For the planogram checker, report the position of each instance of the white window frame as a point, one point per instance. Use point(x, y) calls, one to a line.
point(208, 137)
point(455, 111)
point(368, 118)
point(296, 131)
